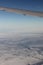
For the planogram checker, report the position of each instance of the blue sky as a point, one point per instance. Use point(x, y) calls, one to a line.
point(12, 22)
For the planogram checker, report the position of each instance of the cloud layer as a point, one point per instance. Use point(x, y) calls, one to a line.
point(19, 50)
point(21, 11)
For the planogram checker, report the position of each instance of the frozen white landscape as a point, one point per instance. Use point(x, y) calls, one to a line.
point(21, 49)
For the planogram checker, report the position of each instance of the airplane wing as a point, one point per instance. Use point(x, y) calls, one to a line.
point(21, 11)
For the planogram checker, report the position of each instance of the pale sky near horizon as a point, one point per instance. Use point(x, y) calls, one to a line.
point(12, 22)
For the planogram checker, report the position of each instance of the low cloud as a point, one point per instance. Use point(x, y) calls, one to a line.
point(21, 11)
point(18, 50)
